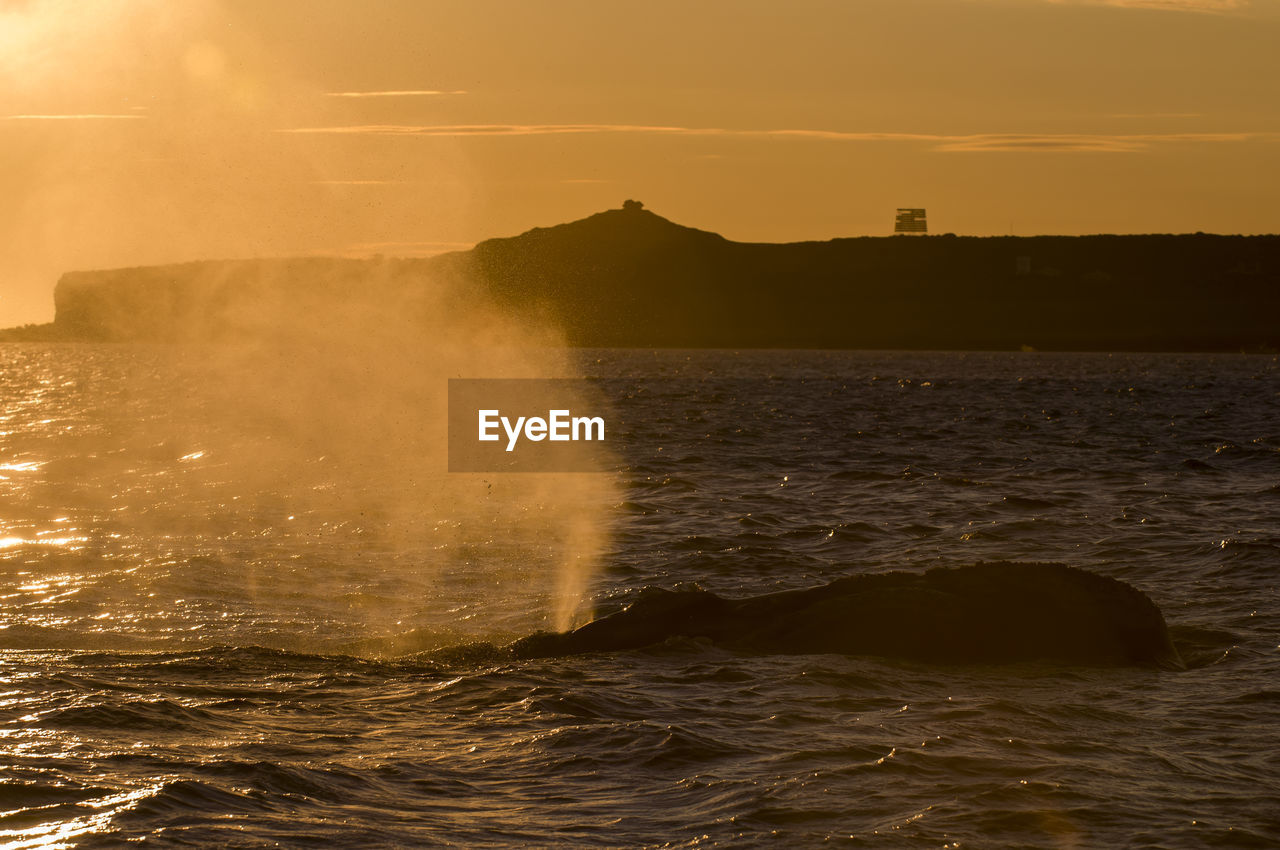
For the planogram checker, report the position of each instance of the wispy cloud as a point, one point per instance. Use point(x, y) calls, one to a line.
point(441, 245)
point(83, 116)
point(1081, 143)
point(455, 130)
point(403, 249)
point(396, 93)
point(1155, 115)
point(492, 129)
point(1043, 142)
point(1219, 7)
point(359, 182)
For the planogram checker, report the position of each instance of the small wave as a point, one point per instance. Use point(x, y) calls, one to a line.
point(1026, 503)
point(1255, 550)
point(763, 520)
point(161, 714)
point(468, 655)
point(30, 637)
point(1202, 647)
point(637, 743)
point(667, 484)
point(861, 475)
point(191, 796)
point(18, 795)
point(1267, 696)
point(327, 783)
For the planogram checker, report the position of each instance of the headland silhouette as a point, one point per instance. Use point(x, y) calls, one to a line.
point(631, 278)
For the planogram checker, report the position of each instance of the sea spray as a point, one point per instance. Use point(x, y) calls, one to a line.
point(309, 409)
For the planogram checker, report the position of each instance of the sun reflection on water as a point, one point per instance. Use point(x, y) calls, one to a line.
point(23, 466)
point(59, 834)
point(39, 540)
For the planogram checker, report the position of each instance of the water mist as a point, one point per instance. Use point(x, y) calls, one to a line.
point(288, 462)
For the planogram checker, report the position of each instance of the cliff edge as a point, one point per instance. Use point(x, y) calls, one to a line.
point(629, 277)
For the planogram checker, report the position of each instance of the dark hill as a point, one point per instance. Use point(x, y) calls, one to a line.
point(629, 277)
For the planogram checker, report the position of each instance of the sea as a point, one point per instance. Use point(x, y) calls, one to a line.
point(260, 614)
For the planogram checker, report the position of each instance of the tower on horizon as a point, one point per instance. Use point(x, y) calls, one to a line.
point(910, 220)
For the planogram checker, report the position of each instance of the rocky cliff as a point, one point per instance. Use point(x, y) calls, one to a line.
point(628, 277)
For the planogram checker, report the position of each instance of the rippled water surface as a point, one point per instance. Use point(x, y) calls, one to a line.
point(236, 630)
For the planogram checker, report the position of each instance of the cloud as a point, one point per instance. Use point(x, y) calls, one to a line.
point(459, 130)
point(411, 93)
point(359, 182)
point(418, 244)
point(1082, 143)
point(1155, 115)
point(454, 130)
point(1218, 7)
point(83, 116)
point(1042, 142)
point(403, 249)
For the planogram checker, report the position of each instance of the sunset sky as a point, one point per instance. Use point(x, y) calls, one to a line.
point(167, 130)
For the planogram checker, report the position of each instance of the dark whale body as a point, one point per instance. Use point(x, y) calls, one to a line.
point(991, 613)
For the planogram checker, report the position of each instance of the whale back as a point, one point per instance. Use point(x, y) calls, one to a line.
point(987, 613)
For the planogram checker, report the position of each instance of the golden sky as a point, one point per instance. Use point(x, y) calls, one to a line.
point(146, 131)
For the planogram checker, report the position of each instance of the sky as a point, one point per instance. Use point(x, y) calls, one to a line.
point(148, 131)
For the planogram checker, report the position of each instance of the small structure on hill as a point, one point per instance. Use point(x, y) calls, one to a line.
point(910, 220)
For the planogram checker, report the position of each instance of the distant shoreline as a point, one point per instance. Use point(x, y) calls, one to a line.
point(47, 334)
point(631, 279)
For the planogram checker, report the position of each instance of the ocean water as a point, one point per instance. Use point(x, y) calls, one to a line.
point(250, 626)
